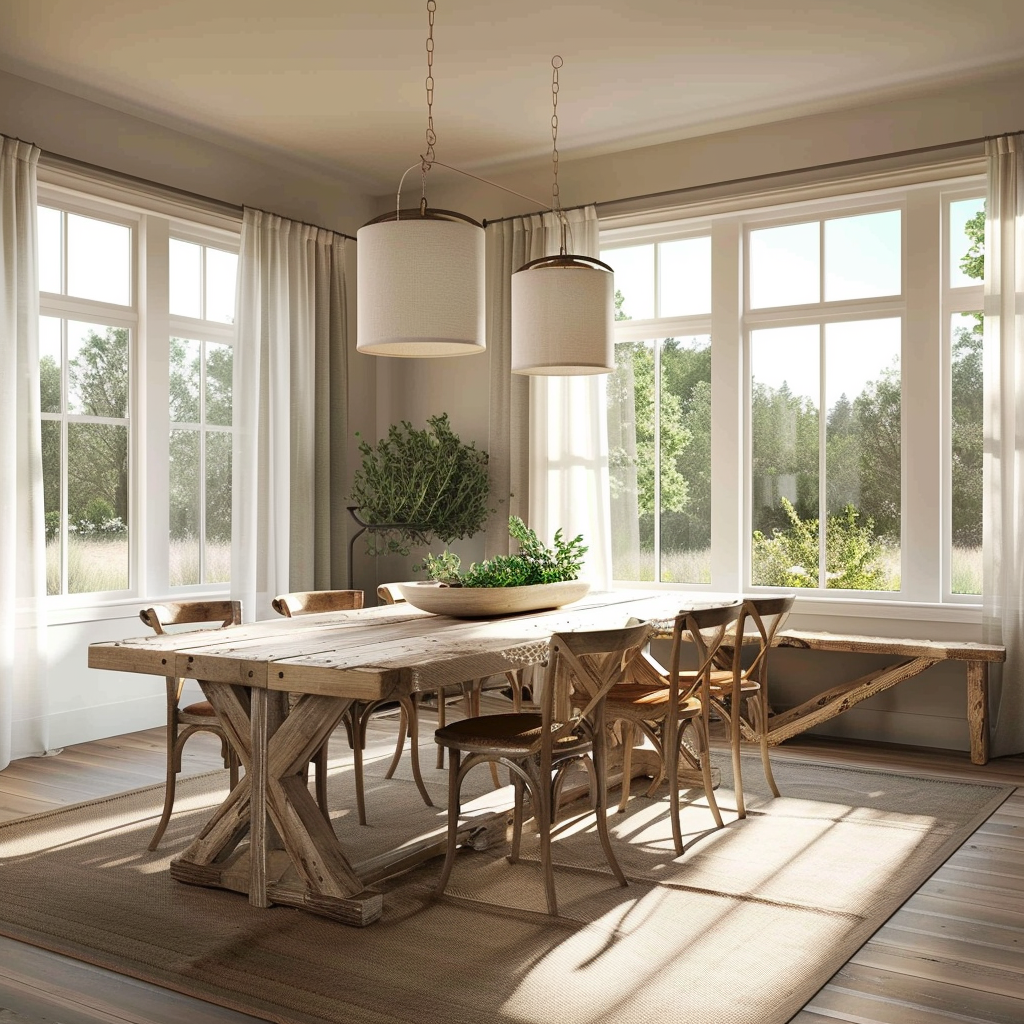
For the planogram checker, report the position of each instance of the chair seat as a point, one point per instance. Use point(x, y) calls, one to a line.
point(636, 701)
point(722, 680)
point(202, 709)
point(514, 732)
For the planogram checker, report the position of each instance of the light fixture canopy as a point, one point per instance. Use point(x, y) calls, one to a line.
point(421, 285)
point(563, 312)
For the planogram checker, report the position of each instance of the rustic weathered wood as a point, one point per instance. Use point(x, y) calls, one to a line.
point(919, 654)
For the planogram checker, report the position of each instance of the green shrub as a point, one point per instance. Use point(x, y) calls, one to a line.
point(855, 559)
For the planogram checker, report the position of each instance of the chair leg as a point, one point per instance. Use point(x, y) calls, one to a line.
point(169, 785)
point(705, 771)
point(670, 740)
point(440, 724)
point(543, 817)
point(454, 760)
point(413, 714)
point(359, 740)
point(627, 764)
point(517, 817)
point(600, 781)
point(735, 735)
point(399, 743)
point(762, 733)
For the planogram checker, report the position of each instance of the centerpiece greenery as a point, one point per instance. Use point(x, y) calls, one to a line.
point(415, 485)
point(534, 563)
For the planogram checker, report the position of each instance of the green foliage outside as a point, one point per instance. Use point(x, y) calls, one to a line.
point(422, 483)
point(534, 563)
point(855, 557)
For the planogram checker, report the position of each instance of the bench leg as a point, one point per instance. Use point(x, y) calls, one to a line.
point(977, 710)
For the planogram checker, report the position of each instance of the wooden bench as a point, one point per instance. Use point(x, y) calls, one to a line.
point(915, 655)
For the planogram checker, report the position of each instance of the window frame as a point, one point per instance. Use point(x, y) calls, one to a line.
point(149, 320)
point(925, 324)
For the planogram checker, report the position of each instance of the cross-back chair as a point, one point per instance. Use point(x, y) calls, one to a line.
point(357, 715)
point(183, 722)
point(663, 703)
point(732, 687)
point(539, 746)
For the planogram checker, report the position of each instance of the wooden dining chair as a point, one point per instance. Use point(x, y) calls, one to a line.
point(663, 704)
point(183, 722)
point(539, 746)
point(470, 691)
point(736, 685)
point(357, 716)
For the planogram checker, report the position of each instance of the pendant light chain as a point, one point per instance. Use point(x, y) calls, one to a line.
point(427, 159)
point(556, 200)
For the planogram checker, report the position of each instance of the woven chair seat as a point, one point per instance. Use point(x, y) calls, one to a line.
point(516, 732)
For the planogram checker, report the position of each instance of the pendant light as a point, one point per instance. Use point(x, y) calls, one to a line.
point(563, 307)
point(421, 271)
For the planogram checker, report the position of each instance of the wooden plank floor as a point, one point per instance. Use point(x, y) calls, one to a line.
point(953, 953)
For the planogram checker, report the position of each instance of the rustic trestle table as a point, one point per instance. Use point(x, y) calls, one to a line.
point(330, 660)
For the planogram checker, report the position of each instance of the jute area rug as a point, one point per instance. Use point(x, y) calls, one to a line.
point(742, 929)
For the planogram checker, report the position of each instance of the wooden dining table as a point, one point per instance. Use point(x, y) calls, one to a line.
point(268, 838)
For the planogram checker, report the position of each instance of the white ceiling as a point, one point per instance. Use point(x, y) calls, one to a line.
point(339, 85)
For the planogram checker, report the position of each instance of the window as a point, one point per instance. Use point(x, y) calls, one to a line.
point(764, 430)
point(129, 480)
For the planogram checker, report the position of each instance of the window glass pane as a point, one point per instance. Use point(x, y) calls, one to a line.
point(97, 370)
point(97, 507)
point(631, 460)
point(49, 364)
point(218, 507)
point(219, 361)
point(863, 455)
point(49, 226)
point(185, 367)
point(784, 265)
point(51, 503)
point(967, 437)
point(966, 242)
point(685, 277)
point(221, 268)
point(685, 430)
point(784, 367)
point(186, 260)
point(634, 281)
point(99, 260)
point(862, 256)
point(184, 568)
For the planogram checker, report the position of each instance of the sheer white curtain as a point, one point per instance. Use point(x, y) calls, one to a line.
point(23, 703)
point(548, 436)
point(288, 531)
point(1004, 432)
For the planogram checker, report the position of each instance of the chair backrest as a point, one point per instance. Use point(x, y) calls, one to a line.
point(179, 613)
point(390, 594)
point(582, 666)
point(767, 615)
point(309, 602)
point(706, 629)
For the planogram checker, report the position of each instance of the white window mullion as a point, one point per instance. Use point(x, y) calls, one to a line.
point(822, 451)
point(730, 420)
point(922, 404)
point(154, 420)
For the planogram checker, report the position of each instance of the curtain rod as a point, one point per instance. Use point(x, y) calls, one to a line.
point(57, 161)
point(768, 176)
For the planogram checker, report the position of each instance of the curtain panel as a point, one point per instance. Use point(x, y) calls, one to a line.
point(547, 436)
point(24, 725)
point(288, 531)
point(1003, 587)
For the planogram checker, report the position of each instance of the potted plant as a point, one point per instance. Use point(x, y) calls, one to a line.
point(416, 485)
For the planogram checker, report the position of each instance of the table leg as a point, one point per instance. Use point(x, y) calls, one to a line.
point(260, 724)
